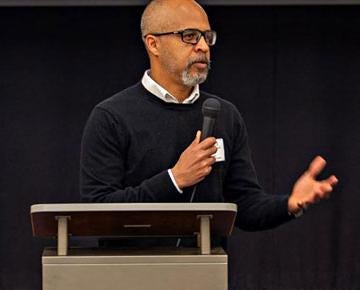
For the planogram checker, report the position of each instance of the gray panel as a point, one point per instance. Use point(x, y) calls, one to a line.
point(135, 272)
point(181, 276)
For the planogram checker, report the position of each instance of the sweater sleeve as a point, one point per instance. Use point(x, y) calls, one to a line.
point(102, 165)
point(257, 210)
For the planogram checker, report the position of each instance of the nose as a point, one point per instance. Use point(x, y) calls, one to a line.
point(202, 45)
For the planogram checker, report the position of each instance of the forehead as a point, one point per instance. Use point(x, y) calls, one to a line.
point(186, 16)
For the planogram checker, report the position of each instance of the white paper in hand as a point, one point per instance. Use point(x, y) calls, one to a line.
point(220, 153)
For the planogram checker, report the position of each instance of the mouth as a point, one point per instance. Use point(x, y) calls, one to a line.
point(201, 64)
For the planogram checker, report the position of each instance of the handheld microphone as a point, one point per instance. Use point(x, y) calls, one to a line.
point(210, 110)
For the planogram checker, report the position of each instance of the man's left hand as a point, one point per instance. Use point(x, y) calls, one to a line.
point(307, 190)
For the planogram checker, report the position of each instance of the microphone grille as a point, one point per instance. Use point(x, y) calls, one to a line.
point(211, 107)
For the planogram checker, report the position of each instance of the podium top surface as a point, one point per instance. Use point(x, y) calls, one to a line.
point(132, 219)
point(111, 207)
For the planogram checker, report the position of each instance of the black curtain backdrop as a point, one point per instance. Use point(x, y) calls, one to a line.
point(293, 72)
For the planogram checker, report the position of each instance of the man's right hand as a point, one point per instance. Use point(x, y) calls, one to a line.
point(195, 163)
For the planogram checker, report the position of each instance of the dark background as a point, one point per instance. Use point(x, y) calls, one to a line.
point(294, 74)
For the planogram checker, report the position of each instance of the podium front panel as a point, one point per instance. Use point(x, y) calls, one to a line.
point(158, 269)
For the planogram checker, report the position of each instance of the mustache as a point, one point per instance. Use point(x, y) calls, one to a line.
point(200, 59)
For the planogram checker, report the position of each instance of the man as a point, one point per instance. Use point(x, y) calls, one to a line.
point(143, 144)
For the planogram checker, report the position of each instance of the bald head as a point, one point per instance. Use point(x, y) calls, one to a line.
point(168, 15)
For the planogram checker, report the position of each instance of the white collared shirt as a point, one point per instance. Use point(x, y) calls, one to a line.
point(160, 92)
point(157, 90)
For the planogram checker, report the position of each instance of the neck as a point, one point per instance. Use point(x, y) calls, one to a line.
point(179, 91)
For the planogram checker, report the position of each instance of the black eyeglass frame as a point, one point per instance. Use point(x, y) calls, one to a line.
point(181, 33)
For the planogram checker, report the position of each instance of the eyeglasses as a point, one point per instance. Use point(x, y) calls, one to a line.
point(192, 35)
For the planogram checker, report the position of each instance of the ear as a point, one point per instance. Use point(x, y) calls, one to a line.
point(152, 44)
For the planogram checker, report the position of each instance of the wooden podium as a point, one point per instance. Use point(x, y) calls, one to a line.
point(134, 269)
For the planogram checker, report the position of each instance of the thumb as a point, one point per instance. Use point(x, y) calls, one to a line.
point(197, 137)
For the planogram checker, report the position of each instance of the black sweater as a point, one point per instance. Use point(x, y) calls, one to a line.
point(133, 138)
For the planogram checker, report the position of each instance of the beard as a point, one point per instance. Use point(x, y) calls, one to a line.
point(190, 76)
point(190, 79)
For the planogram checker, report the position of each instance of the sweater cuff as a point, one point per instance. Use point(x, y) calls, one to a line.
point(160, 188)
point(174, 181)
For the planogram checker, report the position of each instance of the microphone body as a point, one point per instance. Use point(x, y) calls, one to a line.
point(210, 110)
point(207, 127)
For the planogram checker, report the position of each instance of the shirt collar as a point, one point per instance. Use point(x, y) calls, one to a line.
point(157, 90)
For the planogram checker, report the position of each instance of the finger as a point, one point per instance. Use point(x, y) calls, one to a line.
point(198, 137)
point(210, 161)
point(207, 143)
point(204, 171)
point(332, 180)
point(316, 166)
point(212, 150)
point(207, 162)
point(204, 154)
point(208, 170)
point(325, 187)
